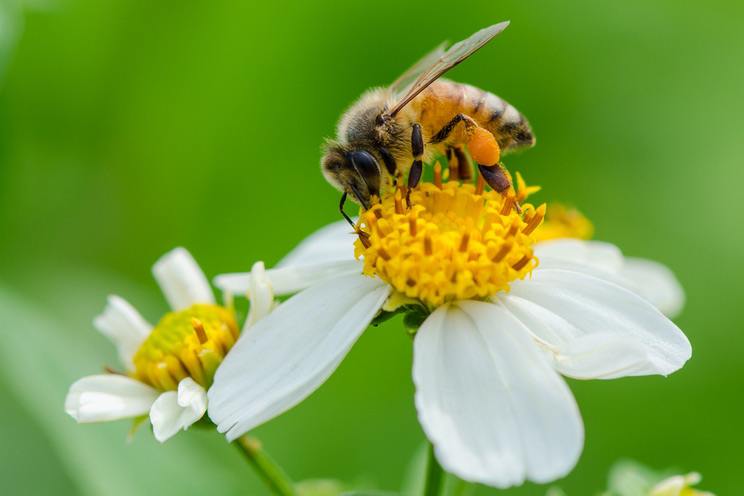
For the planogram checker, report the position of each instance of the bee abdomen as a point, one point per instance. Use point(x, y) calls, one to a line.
point(499, 117)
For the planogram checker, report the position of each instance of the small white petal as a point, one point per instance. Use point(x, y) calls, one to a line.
point(260, 294)
point(332, 243)
point(288, 354)
point(595, 328)
point(182, 281)
point(174, 411)
point(124, 326)
point(289, 279)
point(100, 398)
point(489, 401)
point(656, 283)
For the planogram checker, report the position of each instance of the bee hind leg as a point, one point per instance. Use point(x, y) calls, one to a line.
point(486, 152)
point(460, 166)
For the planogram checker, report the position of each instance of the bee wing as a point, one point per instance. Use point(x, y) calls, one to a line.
point(449, 59)
point(407, 78)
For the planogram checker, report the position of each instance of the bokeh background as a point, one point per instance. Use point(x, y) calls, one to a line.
point(128, 127)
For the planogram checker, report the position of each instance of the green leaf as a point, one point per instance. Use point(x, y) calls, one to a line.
point(39, 359)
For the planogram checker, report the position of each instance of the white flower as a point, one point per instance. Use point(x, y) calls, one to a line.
point(166, 378)
point(679, 485)
point(489, 393)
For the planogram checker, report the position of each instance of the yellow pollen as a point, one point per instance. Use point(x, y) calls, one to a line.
point(454, 242)
point(186, 343)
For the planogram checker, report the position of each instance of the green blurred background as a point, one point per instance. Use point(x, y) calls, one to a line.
point(128, 127)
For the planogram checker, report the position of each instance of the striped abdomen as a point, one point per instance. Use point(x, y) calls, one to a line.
point(444, 99)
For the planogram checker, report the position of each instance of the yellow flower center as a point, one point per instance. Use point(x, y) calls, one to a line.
point(564, 222)
point(454, 242)
point(186, 343)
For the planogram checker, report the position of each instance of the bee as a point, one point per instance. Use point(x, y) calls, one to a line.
point(390, 132)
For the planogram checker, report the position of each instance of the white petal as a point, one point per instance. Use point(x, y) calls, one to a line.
point(260, 294)
point(124, 326)
point(174, 411)
point(290, 279)
point(595, 328)
point(182, 281)
point(650, 279)
point(656, 283)
point(332, 243)
point(288, 354)
point(489, 401)
point(100, 398)
point(595, 255)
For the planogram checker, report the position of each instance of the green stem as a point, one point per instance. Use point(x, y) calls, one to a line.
point(271, 473)
point(434, 474)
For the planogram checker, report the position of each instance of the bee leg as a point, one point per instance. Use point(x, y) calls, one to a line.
point(486, 152)
point(464, 168)
point(447, 129)
point(417, 167)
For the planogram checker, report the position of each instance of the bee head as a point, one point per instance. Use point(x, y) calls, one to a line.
point(355, 172)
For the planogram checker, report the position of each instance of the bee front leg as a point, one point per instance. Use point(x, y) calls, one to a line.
point(417, 167)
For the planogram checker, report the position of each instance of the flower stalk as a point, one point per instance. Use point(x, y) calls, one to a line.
point(434, 474)
point(269, 470)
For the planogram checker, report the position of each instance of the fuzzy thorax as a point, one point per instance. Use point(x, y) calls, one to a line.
point(186, 343)
point(454, 242)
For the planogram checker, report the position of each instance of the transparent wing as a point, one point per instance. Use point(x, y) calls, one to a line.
point(407, 78)
point(449, 59)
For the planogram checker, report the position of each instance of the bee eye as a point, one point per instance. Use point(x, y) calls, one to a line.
point(367, 168)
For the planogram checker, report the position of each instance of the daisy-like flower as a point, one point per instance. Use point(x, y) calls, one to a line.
point(169, 366)
point(629, 478)
point(679, 485)
point(501, 318)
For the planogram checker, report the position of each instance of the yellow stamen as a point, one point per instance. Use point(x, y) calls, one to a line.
point(186, 343)
point(198, 326)
point(453, 243)
point(438, 175)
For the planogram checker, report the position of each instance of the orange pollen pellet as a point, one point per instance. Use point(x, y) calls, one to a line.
point(522, 262)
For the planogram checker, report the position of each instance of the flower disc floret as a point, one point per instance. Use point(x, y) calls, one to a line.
point(453, 242)
point(186, 343)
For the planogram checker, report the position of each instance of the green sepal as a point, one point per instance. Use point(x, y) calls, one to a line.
point(136, 424)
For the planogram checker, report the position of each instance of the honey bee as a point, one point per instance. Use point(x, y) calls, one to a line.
point(389, 132)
